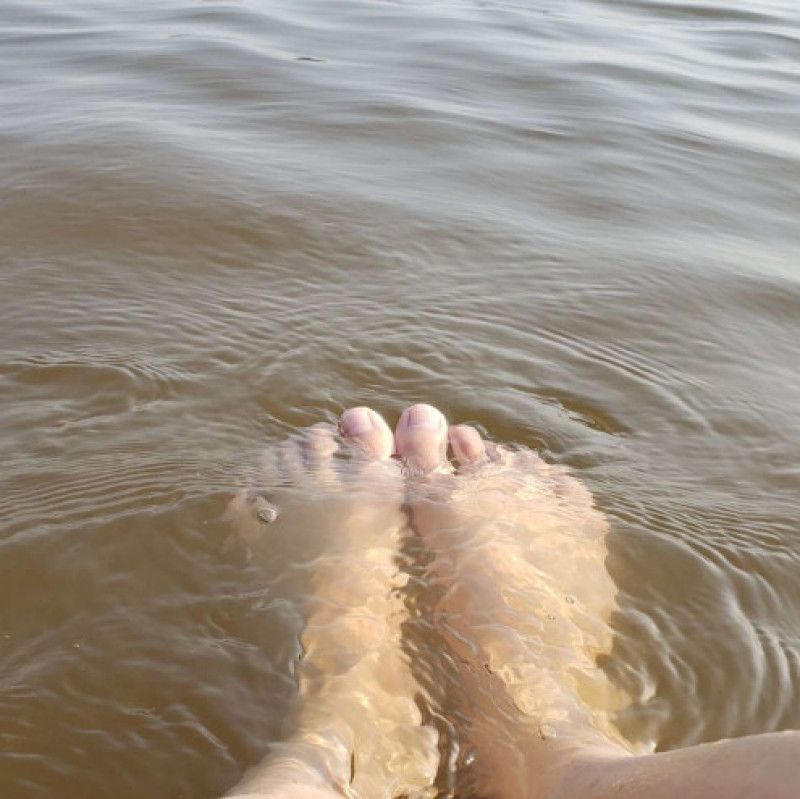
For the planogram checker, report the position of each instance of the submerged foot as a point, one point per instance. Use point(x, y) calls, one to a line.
point(330, 544)
point(521, 550)
point(520, 547)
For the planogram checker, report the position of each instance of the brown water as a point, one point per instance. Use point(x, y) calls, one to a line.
point(573, 223)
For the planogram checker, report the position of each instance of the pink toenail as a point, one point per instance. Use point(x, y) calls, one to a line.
point(423, 417)
point(356, 422)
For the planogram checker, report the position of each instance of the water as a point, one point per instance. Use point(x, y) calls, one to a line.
point(573, 224)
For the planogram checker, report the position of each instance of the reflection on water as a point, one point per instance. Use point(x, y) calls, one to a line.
point(573, 224)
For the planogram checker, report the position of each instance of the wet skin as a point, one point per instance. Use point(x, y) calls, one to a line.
point(533, 736)
point(354, 728)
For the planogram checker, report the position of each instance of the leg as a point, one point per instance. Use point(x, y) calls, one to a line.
point(763, 766)
point(355, 729)
point(521, 548)
point(530, 717)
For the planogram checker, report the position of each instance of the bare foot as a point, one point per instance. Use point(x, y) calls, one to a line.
point(355, 729)
point(522, 549)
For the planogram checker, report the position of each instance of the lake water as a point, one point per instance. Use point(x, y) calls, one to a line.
point(574, 223)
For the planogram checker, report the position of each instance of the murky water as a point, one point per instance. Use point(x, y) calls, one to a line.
point(574, 224)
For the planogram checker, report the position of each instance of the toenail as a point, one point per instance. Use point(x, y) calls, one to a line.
point(356, 422)
point(466, 443)
point(423, 417)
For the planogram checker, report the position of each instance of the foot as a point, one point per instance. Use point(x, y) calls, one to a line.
point(323, 517)
point(521, 548)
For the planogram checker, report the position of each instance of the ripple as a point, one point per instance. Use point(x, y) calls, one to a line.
point(572, 225)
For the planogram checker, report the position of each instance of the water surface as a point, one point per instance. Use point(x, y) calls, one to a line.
point(574, 224)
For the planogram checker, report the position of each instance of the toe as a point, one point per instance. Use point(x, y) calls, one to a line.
point(366, 430)
point(421, 437)
point(319, 443)
point(290, 461)
point(467, 445)
point(319, 447)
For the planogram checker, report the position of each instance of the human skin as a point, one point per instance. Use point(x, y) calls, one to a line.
point(522, 548)
point(354, 728)
point(576, 759)
point(532, 733)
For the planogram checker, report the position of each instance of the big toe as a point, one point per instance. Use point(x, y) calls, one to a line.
point(367, 431)
point(421, 437)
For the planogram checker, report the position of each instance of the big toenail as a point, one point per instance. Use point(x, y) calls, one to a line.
point(423, 417)
point(356, 422)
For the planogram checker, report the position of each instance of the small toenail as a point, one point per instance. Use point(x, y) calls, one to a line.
point(423, 417)
point(466, 443)
point(356, 422)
